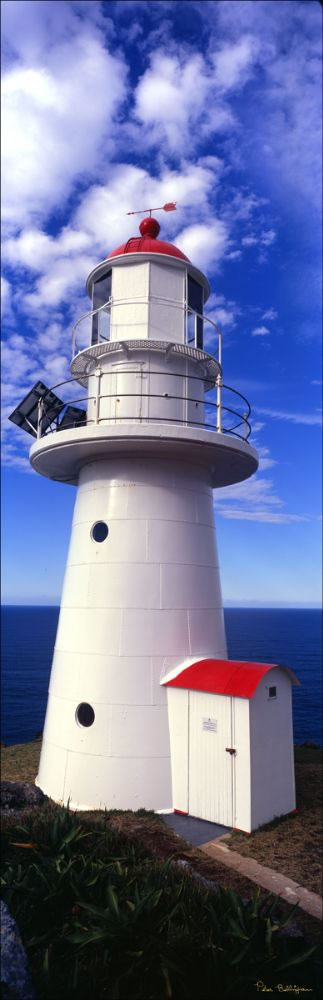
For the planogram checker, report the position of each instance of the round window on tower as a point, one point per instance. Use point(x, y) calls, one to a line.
point(85, 714)
point(99, 531)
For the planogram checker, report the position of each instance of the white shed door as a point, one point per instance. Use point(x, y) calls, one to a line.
point(211, 767)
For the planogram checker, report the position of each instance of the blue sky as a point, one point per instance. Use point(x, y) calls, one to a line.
point(111, 107)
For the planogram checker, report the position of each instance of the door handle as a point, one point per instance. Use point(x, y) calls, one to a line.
point(231, 751)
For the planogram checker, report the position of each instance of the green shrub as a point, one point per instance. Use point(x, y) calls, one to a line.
point(100, 918)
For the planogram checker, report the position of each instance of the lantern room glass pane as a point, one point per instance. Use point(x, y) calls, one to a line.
point(191, 331)
point(101, 320)
point(195, 302)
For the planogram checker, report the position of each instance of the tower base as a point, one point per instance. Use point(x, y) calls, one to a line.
point(135, 604)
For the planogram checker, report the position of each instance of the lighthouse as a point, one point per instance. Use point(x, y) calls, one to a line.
point(146, 439)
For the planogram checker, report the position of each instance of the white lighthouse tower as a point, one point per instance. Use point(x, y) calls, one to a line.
point(142, 589)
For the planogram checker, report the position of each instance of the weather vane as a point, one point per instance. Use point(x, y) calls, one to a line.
point(169, 207)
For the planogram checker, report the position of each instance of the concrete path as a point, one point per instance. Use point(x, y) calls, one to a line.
point(268, 879)
point(213, 840)
point(195, 831)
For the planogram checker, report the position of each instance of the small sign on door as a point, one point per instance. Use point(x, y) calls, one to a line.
point(209, 725)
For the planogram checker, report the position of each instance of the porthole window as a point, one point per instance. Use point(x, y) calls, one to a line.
point(99, 531)
point(85, 714)
point(272, 692)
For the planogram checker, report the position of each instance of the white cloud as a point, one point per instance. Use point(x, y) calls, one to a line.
point(265, 239)
point(5, 296)
point(35, 250)
point(260, 331)
point(256, 490)
point(284, 145)
point(293, 97)
point(100, 223)
point(265, 459)
point(53, 269)
point(222, 316)
point(204, 243)
point(28, 357)
point(234, 255)
point(243, 206)
point(177, 101)
point(222, 311)
point(264, 516)
point(66, 115)
point(58, 284)
point(17, 361)
point(56, 115)
point(16, 341)
point(257, 426)
point(308, 419)
point(30, 26)
point(55, 370)
point(103, 210)
point(15, 460)
point(316, 381)
point(234, 63)
point(268, 237)
point(249, 241)
point(25, 359)
point(270, 314)
point(254, 500)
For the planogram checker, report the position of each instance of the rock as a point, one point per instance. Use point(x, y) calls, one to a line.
point(15, 979)
point(292, 931)
point(20, 795)
point(206, 883)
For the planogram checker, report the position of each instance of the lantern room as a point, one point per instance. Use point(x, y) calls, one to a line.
point(147, 286)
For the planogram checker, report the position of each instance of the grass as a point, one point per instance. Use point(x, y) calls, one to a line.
point(101, 916)
point(291, 845)
point(20, 762)
point(51, 886)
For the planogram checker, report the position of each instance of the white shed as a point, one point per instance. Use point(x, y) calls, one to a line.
point(231, 738)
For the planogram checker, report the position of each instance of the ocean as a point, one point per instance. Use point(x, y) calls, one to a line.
point(291, 637)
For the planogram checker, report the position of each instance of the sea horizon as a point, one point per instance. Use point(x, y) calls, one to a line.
point(226, 604)
point(286, 635)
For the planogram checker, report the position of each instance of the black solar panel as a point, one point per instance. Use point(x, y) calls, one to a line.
point(73, 417)
point(26, 413)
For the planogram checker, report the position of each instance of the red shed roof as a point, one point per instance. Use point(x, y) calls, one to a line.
point(147, 242)
point(231, 677)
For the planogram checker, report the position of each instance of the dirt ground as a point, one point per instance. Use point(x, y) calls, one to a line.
point(293, 844)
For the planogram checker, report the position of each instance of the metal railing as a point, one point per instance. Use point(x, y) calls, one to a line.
point(213, 408)
point(153, 299)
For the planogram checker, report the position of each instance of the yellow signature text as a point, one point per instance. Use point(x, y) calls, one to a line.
point(262, 988)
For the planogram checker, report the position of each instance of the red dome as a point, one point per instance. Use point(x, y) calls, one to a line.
point(148, 242)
